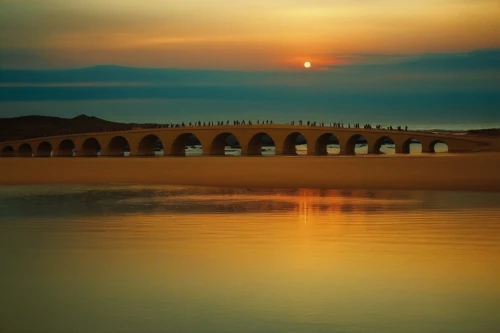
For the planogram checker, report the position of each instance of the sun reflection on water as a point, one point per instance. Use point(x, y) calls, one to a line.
point(106, 257)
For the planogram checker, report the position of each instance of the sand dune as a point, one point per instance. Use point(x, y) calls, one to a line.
point(473, 172)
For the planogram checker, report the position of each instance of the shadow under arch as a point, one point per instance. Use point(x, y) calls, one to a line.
point(44, 149)
point(412, 146)
point(225, 144)
point(66, 148)
point(186, 144)
point(150, 145)
point(292, 141)
point(357, 145)
point(118, 146)
point(90, 148)
point(8, 151)
point(261, 144)
point(327, 144)
point(25, 150)
point(438, 146)
point(384, 145)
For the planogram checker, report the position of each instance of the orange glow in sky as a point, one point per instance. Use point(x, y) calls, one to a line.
point(238, 34)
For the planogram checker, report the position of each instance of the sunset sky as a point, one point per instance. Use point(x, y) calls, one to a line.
point(363, 46)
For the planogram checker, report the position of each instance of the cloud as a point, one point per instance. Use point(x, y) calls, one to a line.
point(20, 57)
point(479, 60)
point(433, 86)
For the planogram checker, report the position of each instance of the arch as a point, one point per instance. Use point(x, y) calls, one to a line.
point(384, 145)
point(327, 144)
point(150, 145)
point(412, 146)
point(90, 148)
point(261, 144)
point(357, 145)
point(118, 146)
point(186, 144)
point(292, 141)
point(225, 144)
point(25, 150)
point(66, 148)
point(44, 149)
point(8, 151)
point(438, 146)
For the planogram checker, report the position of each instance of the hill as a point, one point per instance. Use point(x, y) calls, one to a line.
point(485, 132)
point(26, 127)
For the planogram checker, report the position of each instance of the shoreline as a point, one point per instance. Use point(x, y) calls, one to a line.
point(460, 172)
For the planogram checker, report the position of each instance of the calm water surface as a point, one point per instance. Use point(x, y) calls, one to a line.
point(184, 259)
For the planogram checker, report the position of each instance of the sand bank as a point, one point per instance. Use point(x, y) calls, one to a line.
point(472, 172)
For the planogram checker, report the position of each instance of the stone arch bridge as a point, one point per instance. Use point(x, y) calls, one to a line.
point(142, 142)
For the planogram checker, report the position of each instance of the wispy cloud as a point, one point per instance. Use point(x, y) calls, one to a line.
point(479, 60)
point(433, 86)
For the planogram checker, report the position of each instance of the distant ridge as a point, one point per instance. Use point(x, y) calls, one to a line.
point(25, 127)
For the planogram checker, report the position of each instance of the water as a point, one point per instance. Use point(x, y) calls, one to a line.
point(332, 149)
point(130, 258)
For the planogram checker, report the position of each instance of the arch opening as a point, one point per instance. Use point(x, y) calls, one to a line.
point(412, 146)
point(438, 147)
point(261, 144)
point(67, 148)
point(225, 144)
point(25, 150)
point(91, 148)
point(327, 144)
point(8, 151)
point(357, 145)
point(384, 145)
point(186, 144)
point(295, 144)
point(150, 145)
point(44, 149)
point(118, 147)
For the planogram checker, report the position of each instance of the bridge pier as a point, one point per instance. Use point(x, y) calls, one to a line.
point(400, 150)
point(426, 147)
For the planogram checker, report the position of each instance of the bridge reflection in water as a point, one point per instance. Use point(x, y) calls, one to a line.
point(255, 140)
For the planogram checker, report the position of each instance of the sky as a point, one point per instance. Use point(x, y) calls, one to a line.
point(427, 61)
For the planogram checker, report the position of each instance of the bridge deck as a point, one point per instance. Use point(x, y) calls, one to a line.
point(213, 139)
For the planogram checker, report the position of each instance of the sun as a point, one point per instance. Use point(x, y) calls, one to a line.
point(307, 64)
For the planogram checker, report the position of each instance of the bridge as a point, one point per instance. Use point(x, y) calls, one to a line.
point(142, 142)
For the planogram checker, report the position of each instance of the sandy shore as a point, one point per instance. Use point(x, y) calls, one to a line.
point(471, 172)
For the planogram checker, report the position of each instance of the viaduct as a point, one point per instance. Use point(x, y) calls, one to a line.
point(142, 142)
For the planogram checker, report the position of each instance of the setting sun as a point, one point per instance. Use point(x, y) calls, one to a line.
point(307, 64)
